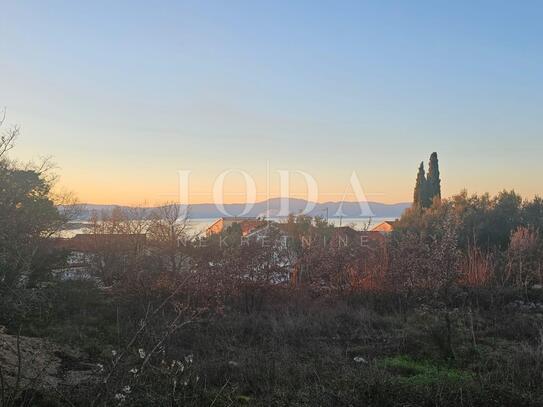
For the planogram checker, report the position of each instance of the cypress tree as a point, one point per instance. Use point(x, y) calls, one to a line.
point(433, 180)
point(419, 196)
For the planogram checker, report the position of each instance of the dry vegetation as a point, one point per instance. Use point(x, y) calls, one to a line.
point(423, 318)
point(446, 310)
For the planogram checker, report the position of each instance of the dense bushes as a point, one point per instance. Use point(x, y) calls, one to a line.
point(498, 238)
point(27, 216)
point(484, 221)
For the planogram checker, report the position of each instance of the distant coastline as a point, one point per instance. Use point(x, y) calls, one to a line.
point(269, 208)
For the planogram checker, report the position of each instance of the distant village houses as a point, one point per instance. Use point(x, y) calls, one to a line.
point(385, 227)
point(247, 225)
point(88, 248)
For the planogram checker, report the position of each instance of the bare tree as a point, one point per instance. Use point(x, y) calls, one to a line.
point(118, 242)
point(168, 233)
point(7, 136)
point(523, 266)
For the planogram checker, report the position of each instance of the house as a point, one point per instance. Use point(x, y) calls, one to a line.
point(385, 227)
point(247, 225)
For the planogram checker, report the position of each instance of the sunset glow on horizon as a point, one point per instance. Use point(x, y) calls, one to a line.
point(123, 96)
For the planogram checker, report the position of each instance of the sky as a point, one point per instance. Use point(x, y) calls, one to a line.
point(124, 95)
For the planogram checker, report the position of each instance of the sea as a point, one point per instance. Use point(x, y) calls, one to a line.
point(198, 226)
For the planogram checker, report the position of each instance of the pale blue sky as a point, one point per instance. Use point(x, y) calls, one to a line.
point(124, 95)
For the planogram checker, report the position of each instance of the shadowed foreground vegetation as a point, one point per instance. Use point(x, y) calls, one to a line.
point(481, 349)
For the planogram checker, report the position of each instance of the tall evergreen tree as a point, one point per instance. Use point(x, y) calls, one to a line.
point(419, 196)
point(433, 180)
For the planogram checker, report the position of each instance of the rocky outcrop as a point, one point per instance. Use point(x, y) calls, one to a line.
point(36, 363)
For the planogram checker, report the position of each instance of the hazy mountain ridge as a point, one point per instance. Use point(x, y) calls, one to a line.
point(272, 207)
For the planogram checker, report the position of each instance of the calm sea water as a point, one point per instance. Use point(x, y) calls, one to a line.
point(197, 226)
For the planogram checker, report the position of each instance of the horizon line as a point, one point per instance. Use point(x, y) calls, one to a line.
point(234, 203)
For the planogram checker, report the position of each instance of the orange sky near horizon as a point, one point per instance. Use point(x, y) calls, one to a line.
point(124, 191)
point(121, 189)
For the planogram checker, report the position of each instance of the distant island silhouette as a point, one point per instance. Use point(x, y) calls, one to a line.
point(271, 208)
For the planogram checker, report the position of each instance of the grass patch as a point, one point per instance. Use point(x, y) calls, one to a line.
point(411, 372)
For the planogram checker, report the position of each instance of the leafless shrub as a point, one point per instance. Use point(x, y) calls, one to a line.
point(523, 258)
point(7, 136)
point(425, 262)
point(478, 267)
point(168, 234)
point(143, 360)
